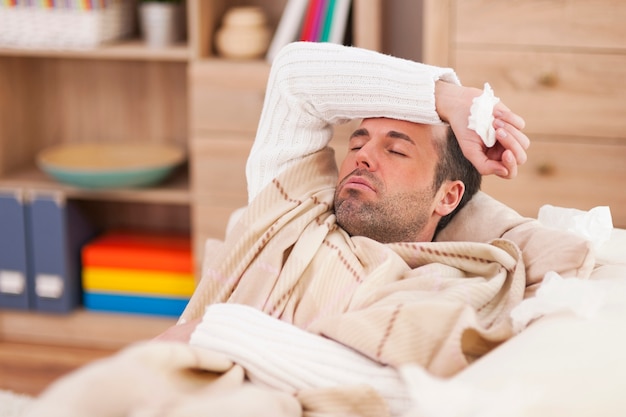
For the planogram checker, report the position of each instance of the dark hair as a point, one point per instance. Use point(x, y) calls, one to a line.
point(454, 166)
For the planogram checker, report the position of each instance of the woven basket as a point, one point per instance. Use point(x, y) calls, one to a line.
point(60, 28)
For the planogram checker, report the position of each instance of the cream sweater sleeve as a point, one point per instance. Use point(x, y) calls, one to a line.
point(282, 356)
point(313, 86)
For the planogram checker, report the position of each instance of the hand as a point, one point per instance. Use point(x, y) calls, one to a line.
point(179, 333)
point(453, 104)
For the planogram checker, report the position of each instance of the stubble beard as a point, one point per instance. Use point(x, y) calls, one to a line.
point(395, 218)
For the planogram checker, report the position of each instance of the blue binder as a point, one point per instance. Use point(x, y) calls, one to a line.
point(57, 232)
point(15, 287)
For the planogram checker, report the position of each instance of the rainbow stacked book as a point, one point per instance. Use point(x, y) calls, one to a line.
point(138, 272)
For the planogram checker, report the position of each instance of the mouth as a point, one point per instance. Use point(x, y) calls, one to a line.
point(357, 181)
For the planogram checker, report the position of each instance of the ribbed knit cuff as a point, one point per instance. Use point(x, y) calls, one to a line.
point(279, 355)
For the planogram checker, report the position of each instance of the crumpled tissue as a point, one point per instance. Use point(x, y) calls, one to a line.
point(555, 294)
point(594, 225)
point(481, 116)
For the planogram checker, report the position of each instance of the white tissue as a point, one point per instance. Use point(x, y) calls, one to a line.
point(582, 297)
point(481, 116)
point(594, 225)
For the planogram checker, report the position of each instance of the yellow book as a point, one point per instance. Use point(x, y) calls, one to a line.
point(137, 281)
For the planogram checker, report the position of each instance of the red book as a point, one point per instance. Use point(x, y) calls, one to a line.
point(313, 20)
point(140, 250)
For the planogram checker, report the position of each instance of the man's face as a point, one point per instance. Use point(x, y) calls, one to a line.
point(385, 188)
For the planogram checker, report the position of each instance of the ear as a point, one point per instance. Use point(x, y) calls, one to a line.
point(448, 197)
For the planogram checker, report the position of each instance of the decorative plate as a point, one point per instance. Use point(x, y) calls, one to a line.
point(110, 165)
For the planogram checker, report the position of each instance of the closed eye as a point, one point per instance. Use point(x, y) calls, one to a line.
point(398, 150)
point(358, 139)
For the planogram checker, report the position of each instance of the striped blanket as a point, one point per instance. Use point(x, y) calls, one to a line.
point(436, 304)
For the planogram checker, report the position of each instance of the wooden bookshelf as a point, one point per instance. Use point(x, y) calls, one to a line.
point(173, 190)
point(133, 49)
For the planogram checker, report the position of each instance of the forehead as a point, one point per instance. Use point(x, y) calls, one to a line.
point(421, 134)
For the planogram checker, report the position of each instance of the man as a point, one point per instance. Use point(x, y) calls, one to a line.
point(386, 188)
point(390, 168)
point(303, 251)
point(329, 282)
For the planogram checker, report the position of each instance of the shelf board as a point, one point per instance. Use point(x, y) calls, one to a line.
point(81, 328)
point(133, 49)
point(174, 190)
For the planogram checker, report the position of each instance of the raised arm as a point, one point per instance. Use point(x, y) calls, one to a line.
point(313, 86)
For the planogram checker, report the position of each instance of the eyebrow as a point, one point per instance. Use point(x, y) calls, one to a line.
point(399, 135)
point(359, 132)
point(391, 134)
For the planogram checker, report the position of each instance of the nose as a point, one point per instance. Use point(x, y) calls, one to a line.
point(366, 158)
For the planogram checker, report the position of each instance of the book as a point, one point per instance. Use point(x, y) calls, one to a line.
point(288, 27)
point(139, 250)
point(135, 304)
point(138, 282)
point(341, 14)
point(313, 20)
point(328, 19)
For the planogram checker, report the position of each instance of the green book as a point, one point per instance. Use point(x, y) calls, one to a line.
point(328, 20)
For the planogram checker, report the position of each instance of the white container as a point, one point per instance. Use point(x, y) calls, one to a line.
point(161, 24)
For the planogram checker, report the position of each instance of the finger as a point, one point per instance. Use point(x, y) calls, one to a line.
point(490, 164)
point(521, 138)
point(503, 113)
point(510, 162)
point(514, 141)
point(495, 167)
point(505, 167)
